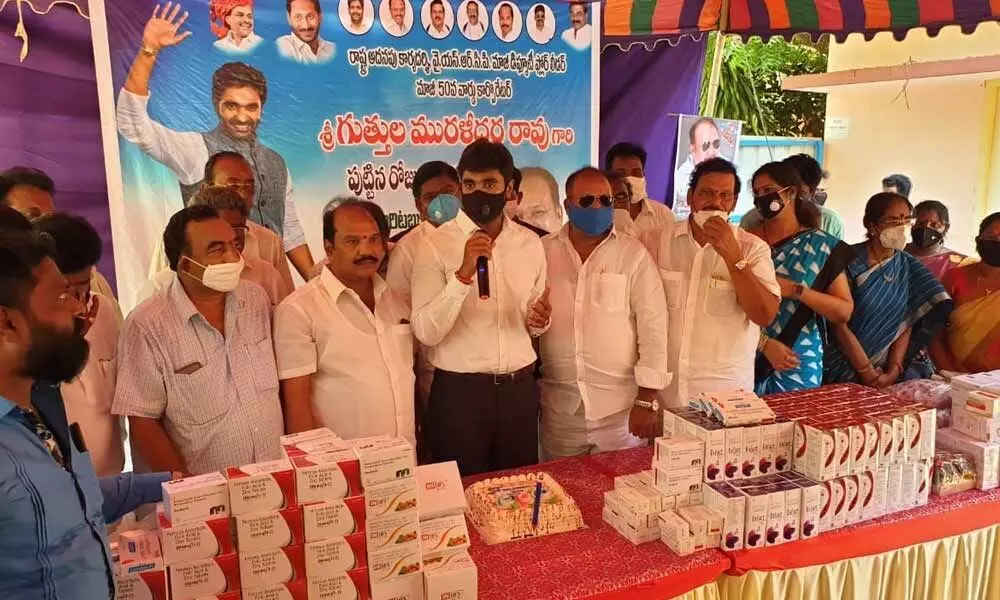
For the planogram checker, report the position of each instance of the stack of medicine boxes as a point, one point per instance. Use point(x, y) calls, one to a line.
point(975, 424)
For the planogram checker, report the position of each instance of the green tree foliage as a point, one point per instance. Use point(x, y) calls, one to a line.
point(758, 66)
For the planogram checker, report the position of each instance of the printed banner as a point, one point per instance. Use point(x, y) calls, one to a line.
point(698, 139)
point(358, 94)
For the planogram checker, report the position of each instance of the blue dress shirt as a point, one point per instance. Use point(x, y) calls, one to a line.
point(52, 519)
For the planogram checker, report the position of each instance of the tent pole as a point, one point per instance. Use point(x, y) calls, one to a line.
point(720, 43)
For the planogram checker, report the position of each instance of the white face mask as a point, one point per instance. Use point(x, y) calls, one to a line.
point(893, 238)
point(702, 216)
point(223, 277)
point(638, 188)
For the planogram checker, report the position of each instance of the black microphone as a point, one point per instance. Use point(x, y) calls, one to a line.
point(483, 277)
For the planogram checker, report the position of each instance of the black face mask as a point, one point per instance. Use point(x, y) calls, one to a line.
point(989, 251)
point(483, 207)
point(925, 237)
point(55, 356)
point(769, 205)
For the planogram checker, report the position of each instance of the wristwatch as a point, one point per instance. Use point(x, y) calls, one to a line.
point(740, 264)
point(653, 405)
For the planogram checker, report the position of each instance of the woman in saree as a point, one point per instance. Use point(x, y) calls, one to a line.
point(928, 237)
point(899, 305)
point(810, 265)
point(971, 342)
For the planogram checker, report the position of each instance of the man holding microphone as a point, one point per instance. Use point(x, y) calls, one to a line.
point(479, 322)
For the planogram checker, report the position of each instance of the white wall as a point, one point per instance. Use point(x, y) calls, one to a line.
point(932, 132)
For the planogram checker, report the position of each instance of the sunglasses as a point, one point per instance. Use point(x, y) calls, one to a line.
point(712, 144)
point(587, 201)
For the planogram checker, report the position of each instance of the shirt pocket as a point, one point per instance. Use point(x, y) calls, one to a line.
point(721, 300)
point(262, 364)
point(402, 339)
point(609, 292)
point(673, 286)
point(202, 396)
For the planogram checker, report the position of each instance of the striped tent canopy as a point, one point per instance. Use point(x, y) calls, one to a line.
point(624, 19)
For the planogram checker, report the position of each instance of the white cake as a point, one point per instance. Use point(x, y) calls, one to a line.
point(503, 508)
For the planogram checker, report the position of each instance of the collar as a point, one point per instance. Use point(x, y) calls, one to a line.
point(684, 229)
point(563, 234)
point(250, 39)
point(335, 287)
point(182, 303)
point(6, 407)
point(42, 398)
point(301, 46)
point(466, 225)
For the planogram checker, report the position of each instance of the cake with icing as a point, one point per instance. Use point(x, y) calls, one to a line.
point(503, 508)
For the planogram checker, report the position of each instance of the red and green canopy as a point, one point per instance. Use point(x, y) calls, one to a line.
point(631, 18)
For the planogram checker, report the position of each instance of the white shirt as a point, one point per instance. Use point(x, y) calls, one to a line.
point(228, 44)
point(291, 47)
point(361, 363)
point(399, 274)
point(185, 153)
point(652, 215)
point(712, 342)
point(474, 32)
point(543, 35)
point(465, 333)
point(609, 326)
point(578, 39)
point(216, 396)
point(88, 398)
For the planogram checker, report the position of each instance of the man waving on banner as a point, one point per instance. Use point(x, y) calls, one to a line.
point(239, 92)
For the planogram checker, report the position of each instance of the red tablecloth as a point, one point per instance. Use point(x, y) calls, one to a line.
point(595, 562)
point(941, 518)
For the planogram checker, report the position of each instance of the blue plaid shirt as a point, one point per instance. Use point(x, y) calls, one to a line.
point(52, 519)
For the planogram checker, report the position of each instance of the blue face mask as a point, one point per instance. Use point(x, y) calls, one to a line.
point(591, 221)
point(443, 208)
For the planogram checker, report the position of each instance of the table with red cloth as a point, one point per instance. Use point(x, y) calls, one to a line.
point(595, 562)
point(941, 518)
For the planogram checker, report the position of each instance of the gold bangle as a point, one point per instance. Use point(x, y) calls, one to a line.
point(149, 51)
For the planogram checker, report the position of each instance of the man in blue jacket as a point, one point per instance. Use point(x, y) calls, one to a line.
point(53, 509)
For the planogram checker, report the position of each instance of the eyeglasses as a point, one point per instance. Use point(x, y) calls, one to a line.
point(902, 222)
point(622, 197)
point(713, 194)
point(711, 144)
point(587, 201)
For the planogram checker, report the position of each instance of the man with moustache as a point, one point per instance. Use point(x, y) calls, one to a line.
point(484, 399)
point(343, 341)
point(232, 22)
point(356, 11)
point(437, 29)
point(303, 44)
point(239, 92)
point(578, 36)
point(473, 28)
point(720, 285)
point(705, 142)
point(397, 13)
point(605, 356)
point(53, 508)
point(541, 33)
point(196, 371)
point(506, 17)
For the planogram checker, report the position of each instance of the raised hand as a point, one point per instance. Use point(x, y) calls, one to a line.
point(161, 29)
